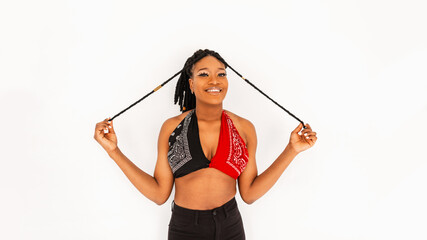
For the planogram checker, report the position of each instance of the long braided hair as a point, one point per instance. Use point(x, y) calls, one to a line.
point(183, 95)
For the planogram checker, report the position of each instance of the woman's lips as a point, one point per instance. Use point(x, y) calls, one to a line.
point(214, 91)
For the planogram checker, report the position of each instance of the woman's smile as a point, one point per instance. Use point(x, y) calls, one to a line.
point(214, 91)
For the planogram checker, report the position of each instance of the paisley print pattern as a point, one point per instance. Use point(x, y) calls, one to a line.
point(237, 158)
point(179, 151)
point(186, 154)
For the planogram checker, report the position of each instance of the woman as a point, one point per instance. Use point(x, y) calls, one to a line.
point(204, 151)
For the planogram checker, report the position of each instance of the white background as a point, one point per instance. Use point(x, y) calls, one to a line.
point(354, 70)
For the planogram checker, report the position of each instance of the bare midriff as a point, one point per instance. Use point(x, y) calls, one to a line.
point(204, 189)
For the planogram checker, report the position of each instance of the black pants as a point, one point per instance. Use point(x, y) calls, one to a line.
point(221, 223)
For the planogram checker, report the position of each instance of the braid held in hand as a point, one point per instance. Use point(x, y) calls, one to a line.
point(183, 95)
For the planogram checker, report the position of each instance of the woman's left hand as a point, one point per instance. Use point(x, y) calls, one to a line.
point(304, 140)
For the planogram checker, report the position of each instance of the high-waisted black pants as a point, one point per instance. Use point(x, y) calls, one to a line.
point(221, 223)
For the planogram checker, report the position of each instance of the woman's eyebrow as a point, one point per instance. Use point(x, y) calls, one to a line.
point(207, 69)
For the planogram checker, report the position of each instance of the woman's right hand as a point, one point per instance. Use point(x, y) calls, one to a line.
point(108, 140)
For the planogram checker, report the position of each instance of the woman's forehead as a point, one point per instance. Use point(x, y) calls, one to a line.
point(208, 63)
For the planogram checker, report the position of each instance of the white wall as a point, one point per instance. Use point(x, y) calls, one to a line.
point(354, 70)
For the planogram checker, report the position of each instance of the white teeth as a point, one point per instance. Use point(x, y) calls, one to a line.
point(215, 90)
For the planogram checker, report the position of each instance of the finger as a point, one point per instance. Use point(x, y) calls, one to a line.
point(312, 139)
point(102, 128)
point(310, 134)
point(308, 127)
point(111, 127)
point(107, 120)
point(99, 133)
point(298, 128)
point(101, 125)
point(306, 131)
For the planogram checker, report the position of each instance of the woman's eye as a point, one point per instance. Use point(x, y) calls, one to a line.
point(205, 74)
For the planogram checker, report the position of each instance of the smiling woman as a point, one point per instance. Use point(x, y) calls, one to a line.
point(204, 64)
point(204, 151)
point(209, 83)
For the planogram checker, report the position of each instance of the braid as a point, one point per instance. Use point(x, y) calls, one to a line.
point(183, 95)
point(183, 87)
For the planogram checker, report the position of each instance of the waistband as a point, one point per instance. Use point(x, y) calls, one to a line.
point(230, 205)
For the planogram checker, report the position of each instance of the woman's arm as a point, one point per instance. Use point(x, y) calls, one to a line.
point(157, 188)
point(253, 186)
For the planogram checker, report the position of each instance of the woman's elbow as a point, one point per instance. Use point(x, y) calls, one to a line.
point(247, 199)
point(161, 200)
point(159, 203)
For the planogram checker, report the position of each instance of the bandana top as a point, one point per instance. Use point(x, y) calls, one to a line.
point(186, 154)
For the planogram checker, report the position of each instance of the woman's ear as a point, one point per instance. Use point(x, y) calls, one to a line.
point(190, 81)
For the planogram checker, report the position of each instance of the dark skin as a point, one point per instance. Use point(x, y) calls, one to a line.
point(206, 188)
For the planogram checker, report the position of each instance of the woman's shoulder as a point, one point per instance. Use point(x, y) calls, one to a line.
point(178, 118)
point(171, 123)
point(238, 119)
point(243, 125)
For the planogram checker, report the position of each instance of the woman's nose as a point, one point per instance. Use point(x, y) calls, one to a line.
point(213, 80)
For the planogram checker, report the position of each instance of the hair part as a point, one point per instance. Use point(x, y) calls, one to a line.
point(183, 95)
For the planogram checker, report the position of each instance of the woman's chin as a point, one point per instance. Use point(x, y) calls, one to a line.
point(211, 103)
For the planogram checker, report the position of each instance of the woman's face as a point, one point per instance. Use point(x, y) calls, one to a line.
point(209, 81)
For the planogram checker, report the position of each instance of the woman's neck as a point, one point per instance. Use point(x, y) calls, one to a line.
point(209, 113)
